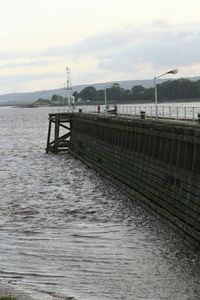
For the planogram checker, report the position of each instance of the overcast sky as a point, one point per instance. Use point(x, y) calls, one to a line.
point(107, 40)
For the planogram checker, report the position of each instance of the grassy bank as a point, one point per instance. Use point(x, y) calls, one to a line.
point(7, 298)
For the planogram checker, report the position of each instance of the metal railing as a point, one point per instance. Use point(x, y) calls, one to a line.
point(66, 109)
point(187, 113)
point(164, 112)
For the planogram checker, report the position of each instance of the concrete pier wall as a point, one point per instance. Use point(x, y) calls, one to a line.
point(158, 160)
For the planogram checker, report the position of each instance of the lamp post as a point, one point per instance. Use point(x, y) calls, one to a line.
point(174, 71)
point(105, 95)
point(105, 99)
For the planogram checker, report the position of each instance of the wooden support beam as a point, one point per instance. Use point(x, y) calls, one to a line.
point(57, 124)
point(65, 136)
point(48, 137)
point(59, 143)
point(66, 127)
point(61, 138)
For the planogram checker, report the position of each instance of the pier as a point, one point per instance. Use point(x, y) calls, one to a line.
point(156, 161)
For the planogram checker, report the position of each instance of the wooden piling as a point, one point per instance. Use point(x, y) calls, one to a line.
point(48, 136)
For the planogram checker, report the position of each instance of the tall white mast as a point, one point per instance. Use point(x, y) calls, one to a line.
point(69, 90)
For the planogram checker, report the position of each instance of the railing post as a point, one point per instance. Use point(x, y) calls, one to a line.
point(170, 113)
point(193, 113)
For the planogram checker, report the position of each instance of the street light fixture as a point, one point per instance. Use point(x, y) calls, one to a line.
point(174, 71)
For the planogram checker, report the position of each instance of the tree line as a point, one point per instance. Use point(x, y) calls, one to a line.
point(180, 89)
point(169, 90)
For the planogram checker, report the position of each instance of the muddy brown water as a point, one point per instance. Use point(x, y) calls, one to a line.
point(67, 233)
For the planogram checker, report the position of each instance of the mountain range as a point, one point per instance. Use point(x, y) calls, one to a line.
point(30, 97)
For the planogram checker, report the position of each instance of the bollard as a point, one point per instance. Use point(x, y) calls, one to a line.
point(142, 114)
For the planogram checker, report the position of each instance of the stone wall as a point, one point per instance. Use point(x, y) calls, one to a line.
point(158, 160)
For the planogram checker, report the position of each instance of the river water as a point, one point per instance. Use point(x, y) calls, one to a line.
point(67, 233)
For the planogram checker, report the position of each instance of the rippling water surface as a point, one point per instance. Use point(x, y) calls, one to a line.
point(65, 232)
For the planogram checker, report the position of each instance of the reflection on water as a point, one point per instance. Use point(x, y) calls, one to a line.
point(66, 232)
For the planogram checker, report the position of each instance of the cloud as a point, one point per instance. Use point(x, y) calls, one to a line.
point(25, 77)
point(31, 63)
point(51, 52)
point(129, 52)
point(6, 55)
point(160, 46)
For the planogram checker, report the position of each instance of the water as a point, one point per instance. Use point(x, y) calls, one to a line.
point(66, 232)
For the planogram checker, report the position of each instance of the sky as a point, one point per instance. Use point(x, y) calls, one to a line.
point(100, 41)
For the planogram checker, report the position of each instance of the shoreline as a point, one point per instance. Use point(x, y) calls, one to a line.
point(8, 290)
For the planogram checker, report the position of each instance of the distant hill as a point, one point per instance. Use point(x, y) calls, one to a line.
point(26, 98)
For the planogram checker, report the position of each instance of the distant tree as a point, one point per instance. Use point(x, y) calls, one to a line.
point(168, 90)
point(178, 89)
point(138, 90)
point(57, 98)
point(197, 88)
point(42, 101)
point(54, 98)
point(148, 94)
point(186, 88)
point(76, 95)
point(88, 93)
point(115, 92)
point(100, 95)
point(126, 95)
